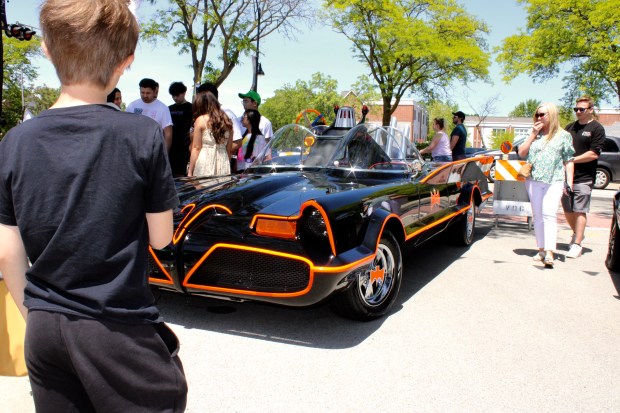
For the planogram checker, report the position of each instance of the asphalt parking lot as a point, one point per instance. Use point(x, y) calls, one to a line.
point(482, 329)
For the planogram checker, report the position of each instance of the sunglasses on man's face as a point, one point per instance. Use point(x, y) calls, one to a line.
point(580, 110)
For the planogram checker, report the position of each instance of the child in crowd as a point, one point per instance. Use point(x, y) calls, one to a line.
point(84, 190)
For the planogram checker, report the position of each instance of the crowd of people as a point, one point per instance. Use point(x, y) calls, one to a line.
point(563, 169)
point(203, 138)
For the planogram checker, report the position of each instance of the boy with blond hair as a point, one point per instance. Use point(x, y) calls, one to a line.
point(84, 189)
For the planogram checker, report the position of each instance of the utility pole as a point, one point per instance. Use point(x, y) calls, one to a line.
point(256, 66)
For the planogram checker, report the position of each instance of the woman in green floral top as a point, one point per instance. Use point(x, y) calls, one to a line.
point(549, 149)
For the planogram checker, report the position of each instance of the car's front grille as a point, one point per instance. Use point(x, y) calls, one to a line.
point(252, 271)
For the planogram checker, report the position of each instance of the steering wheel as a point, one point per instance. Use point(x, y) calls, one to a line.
point(308, 122)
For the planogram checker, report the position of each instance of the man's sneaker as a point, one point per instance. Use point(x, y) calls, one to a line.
point(574, 251)
point(572, 240)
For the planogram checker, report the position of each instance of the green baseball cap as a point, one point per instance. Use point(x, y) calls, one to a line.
point(252, 95)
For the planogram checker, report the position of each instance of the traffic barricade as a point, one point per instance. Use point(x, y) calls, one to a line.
point(509, 194)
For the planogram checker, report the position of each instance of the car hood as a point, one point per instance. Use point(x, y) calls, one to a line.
point(280, 194)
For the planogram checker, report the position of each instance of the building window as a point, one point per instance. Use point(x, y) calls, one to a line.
point(521, 132)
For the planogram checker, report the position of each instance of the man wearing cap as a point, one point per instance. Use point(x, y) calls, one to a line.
point(251, 100)
point(458, 137)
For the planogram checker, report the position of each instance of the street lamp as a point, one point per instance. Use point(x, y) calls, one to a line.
point(257, 69)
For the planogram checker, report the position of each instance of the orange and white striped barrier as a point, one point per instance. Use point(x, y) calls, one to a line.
point(506, 170)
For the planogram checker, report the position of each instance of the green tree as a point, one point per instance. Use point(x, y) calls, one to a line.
point(41, 98)
point(498, 138)
point(566, 114)
point(319, 93)
point(227, 27)
point(568, 33)
point(19, 74)
point(412, 45)
point(525, 109)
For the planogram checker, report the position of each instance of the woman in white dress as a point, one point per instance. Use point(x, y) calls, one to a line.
point(211, 143)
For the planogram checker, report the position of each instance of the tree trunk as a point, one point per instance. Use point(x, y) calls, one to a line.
point(387, 110)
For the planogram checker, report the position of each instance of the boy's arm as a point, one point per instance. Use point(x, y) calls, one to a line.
point(160, 228)
point(13, 264)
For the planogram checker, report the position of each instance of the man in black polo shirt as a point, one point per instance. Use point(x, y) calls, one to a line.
point(588, 140)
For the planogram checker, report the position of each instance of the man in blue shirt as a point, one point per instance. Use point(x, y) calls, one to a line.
point(458, 137)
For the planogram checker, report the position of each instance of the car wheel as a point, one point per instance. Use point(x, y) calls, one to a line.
point(491, 176)
point(463, 232)
point(602, 178)
point(612, 262)
point(374, 289)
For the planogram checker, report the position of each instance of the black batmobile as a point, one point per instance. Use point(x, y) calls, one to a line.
point(320, 214)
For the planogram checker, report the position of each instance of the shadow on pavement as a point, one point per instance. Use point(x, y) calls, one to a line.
point(316, 326)
point(615, 279)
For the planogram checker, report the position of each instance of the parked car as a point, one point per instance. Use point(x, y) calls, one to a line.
point(608, 169)
point(318, 216)
point(612, 261)
point(471, 152)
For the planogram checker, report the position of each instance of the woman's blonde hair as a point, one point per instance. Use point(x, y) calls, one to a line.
point(87, 39)
point(554, 118)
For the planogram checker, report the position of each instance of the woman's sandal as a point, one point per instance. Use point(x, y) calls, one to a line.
point(539, 257)
point(548, 261)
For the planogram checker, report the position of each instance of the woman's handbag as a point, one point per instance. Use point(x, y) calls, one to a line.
point(525, 171)
point(12, 332)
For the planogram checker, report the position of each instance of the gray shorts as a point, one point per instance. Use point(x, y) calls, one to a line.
point(580, 201)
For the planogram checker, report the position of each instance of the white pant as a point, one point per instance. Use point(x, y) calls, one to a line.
point(545, 199)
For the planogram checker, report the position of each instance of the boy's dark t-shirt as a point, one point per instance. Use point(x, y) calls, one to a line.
point(587, 137)
point(77, 182)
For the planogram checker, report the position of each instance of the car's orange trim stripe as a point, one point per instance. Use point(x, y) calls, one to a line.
point(313, 269)
point(181, 229)
point(306, 204)
point(161, 267)
point(482, 161)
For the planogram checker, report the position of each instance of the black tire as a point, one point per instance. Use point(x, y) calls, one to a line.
point(612, 262)
point(463, 230)
point(602, 178)
point(365, 299)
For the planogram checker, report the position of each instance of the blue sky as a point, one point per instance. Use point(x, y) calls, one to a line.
point(316, 49)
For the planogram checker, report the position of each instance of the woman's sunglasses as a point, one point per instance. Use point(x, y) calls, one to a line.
point(540, 115)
